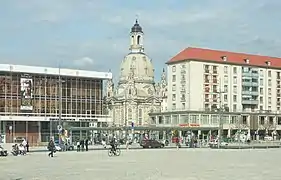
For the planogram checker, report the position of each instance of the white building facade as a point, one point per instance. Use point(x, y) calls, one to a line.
point(31, 102)
point(206, 82)
point(136, 94)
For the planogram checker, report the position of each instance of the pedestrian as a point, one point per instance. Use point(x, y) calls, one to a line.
point(82, 145)
point(78, 145)
point(27, 146)
point(51, 147)
point(86, 144)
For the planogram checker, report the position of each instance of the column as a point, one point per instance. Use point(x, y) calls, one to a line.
point(228, 133)
point(80, 123)
point(13, 131)
point(51, 128)
point(39, 131)
point(26, 130)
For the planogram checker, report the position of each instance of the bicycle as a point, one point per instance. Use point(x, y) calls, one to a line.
point(116, 153)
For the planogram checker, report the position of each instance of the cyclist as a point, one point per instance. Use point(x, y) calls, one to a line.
point(113, 145)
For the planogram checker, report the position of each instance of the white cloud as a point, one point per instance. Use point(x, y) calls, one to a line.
point(83, 62)
point(241, 25)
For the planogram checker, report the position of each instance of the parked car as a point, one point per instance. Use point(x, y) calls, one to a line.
point(151, 144)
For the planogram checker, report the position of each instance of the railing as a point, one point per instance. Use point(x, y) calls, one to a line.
point(200, 110)
point(52, 114)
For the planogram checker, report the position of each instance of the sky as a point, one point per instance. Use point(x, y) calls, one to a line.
point(94, 35)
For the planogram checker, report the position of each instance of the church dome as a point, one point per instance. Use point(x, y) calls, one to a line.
point(138, 64)
point(136, 28)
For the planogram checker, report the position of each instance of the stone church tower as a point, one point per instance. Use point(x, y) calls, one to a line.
point(136, 94)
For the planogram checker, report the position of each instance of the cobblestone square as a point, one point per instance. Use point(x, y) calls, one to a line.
point(164, 164)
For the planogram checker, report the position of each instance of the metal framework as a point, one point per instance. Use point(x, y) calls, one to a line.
point(143, 128)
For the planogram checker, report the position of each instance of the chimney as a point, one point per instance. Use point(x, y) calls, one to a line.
point(267, 63)
point(247, 60)
point(224, 58)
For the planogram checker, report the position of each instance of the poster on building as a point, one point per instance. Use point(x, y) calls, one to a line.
point(26, 93)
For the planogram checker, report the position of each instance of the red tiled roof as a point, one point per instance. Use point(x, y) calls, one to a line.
point(200, 54)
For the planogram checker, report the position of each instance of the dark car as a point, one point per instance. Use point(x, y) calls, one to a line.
point(151, 144)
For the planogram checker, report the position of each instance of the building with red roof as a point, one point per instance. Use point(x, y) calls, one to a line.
point(205, 81)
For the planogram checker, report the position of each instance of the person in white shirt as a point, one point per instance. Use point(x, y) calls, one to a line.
point(24, 143)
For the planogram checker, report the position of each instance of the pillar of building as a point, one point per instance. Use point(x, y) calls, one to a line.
point(198, 134)
point(26, 129)
point(39, 131)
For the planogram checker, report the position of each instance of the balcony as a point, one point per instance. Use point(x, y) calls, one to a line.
point(250, 102)
point(253, 93)
point(183, 82)
point(250, 74)
point(250, 84)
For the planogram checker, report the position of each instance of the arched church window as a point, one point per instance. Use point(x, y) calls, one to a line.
point(140, 116)
point(130, 114)
point(138, 39)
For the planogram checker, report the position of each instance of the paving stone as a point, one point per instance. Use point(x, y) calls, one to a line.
point(148, 164)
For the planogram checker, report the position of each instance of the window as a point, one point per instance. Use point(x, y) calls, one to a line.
point(261, 107)
point(269, 100)
point(173, 106)
point(269, 91)
point(215, 69)
point(261, 73)
point(234, 98)
point(174, 68)
point(206, 67)
point(225, 79)
point(130, 114)
point(225, 69)
point(269, 73)
point(225, 88)
point(261, 82)
point(261, 100)
point(174, 87)
point(225, 98)
point(235, 89)
point(174, 78)
point(234, 70)
point(215, 88)
point(234, 80)
point(234, 107)
point(269, 82)
point(140, 116)
point(183, 105)
point(174, 97)
point(261, 90)
point(183, 66)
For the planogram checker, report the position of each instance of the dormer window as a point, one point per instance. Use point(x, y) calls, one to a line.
point(224, 58)
point(267, 63)
point(247, 61)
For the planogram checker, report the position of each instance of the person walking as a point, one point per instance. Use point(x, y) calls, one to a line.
point(27, 146)
point(82, 143)
point(51, 147)
point(87, 144)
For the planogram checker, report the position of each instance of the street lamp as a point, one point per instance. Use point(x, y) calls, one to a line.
point(220, 118)
point(60, 128)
